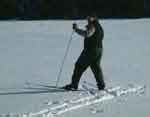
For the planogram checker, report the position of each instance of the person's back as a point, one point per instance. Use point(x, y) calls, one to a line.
point(99, 33)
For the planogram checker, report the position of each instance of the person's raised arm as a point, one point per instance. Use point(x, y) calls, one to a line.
point(79, 31)
point(85, 33)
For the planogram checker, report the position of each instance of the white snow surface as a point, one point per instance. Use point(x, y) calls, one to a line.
point(33, 51)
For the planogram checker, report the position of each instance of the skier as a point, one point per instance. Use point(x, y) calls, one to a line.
point(91, 54)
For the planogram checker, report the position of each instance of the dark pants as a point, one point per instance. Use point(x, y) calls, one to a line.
point(85, 60)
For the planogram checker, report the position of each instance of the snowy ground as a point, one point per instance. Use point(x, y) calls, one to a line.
point(33, 50)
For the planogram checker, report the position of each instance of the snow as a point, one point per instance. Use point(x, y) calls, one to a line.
point(33, 51)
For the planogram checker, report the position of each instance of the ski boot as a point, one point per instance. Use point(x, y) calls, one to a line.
point(70, 87)
point(101, 86)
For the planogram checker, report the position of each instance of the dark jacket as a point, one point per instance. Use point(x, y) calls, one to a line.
point(95, 41)
point(93, 45)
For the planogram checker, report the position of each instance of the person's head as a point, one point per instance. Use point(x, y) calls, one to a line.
point(92, 20)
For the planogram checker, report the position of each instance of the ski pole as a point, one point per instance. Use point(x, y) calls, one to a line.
point(63, 60)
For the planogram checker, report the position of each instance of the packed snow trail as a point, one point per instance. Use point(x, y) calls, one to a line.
point(92, 96)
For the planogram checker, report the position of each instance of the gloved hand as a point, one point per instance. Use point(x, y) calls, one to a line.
point(87, 27)
point(74, 26)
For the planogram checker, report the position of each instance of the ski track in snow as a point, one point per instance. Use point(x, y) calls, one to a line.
point(59, 108)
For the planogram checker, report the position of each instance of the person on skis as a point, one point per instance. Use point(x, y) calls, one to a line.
point(91, 54)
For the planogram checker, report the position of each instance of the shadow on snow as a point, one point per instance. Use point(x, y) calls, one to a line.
point(32, 90)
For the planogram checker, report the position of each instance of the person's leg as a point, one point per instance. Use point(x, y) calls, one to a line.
point(78, 71)
point(80, 66)
point(97, 71)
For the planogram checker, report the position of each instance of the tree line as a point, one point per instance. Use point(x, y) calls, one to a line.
point(73, 9)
